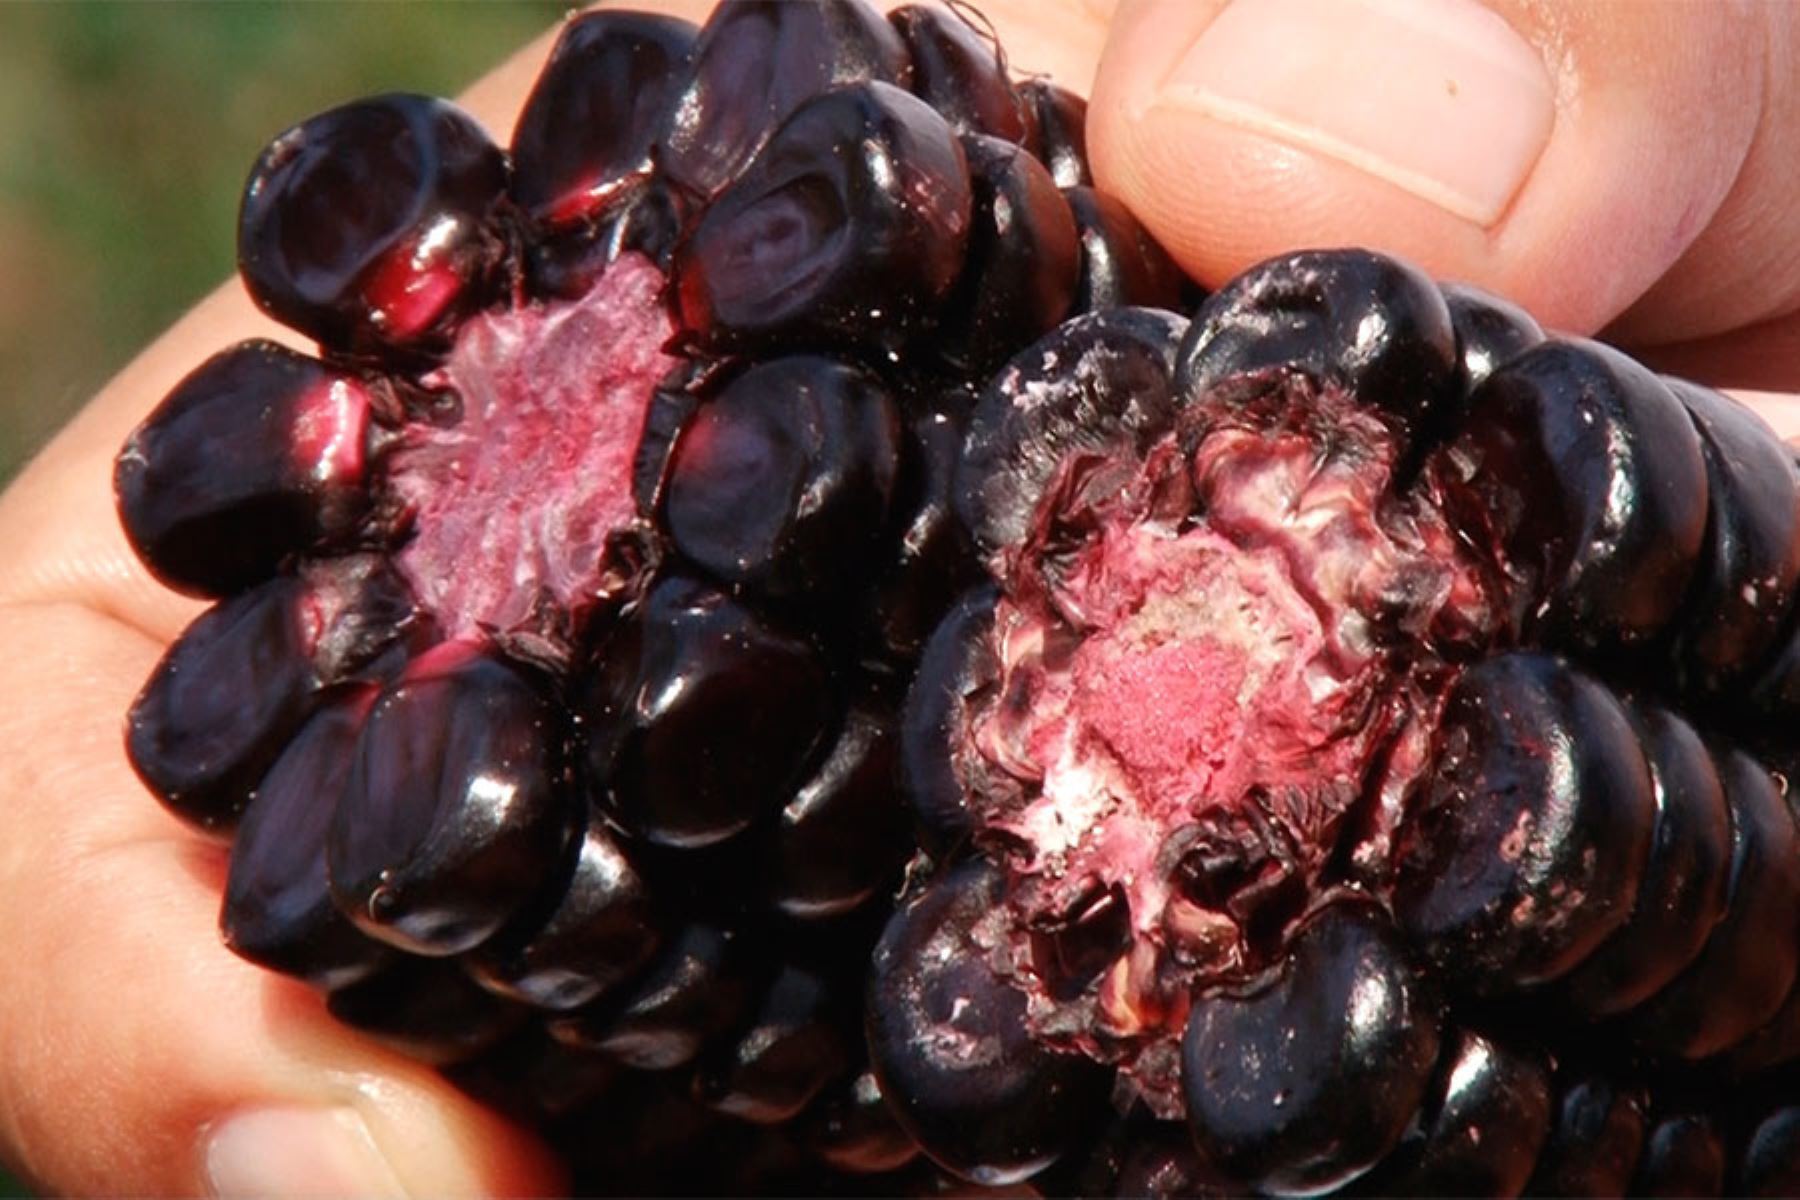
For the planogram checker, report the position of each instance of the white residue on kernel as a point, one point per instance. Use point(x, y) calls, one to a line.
point(1075, 799)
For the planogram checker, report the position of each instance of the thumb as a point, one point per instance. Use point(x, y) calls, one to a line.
point(140, 1056)
point(1570, 156)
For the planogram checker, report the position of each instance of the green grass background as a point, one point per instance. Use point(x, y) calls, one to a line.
point(126, 130)
point(125, 133)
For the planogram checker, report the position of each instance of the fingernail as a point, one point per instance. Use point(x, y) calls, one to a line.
point(1439, 97)
point(292, 1152)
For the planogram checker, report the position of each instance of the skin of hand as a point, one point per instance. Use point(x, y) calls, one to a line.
point(1620, 168)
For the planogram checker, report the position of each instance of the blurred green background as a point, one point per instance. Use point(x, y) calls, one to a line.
point(126, 130)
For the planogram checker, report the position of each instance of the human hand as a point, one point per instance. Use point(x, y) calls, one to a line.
point(130, 1034)
point(1566, 156)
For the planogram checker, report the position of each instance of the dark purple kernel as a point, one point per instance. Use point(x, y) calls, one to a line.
point(1533, 827)
point(1596, 1135)
point(1771, 1157)
point(1092, 1163)
point(844, 835)
point(795, 1044)
point(278, 910)
point(1480, 1130)
point(1372, 327)
point(934, 562)
point(428, 1010)
point(1775, 1043)
point(1121, 264)
point(851, 1127)
point(1061, 131)
point(1750, 557)
point(585, 134)
point(771, 1165)
point(673, 403)
point(1162, 1165)
point(536, 1078)
point(962, 73)
point(756, 62)
point(646, 220)
point(696, 989)
point(600, 927)
point(1752, 956)
point(646, 1136)
point(1581, 474)
point(996, 1116)
point(1490, 331)
point(850, 227)
point(373, 225)
point(1267, 1073)
point(362, 619)
point(258, 454)
point(240, 679)
point(1040, 411)
point(782, 482)
point(1683, 892)
point(1682, 1156)
point(457, 810)
point(1024, 259)
point(223, 703)
point(692, 668)
point(1771, 699)
point(938, 767)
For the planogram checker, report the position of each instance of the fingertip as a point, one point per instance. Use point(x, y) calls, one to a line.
point(360, 1149)
point(218, 1078)
point(134, 1038)
point(1554, 156)
point(1780, 409)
